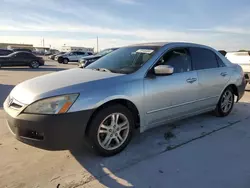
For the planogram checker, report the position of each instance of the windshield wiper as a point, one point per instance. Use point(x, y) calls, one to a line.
point(102, 70)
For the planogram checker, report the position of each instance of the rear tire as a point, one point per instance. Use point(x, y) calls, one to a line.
point(65, 61)
point(225, 104)
point(110, 130)
point(34, 64)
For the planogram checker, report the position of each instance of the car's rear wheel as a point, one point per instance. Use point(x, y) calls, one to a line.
point(226, 103)
point(110, 130)
point(65, 61)
point(34, 64)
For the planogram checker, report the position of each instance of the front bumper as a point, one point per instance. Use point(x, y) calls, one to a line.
point(50, 132)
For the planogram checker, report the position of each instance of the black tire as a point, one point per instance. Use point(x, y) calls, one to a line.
point(34, 64)
point(65, 61)
point(219, 112)
point(60, 60)
point(92, 132)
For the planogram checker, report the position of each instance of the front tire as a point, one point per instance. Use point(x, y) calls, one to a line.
point(110, 130)
point(226, 103)
point(34, 64)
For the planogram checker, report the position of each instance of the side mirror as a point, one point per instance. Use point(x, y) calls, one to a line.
point(162, 70)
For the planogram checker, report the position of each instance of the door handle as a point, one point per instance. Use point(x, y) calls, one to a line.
point(223, 74)
point(191, 80)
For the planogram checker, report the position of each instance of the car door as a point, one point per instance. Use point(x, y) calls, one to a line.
point(172, 96)
point(14, 60)
point(212, 73)
point(72, 56)
point(21, 59)
point(80, 55)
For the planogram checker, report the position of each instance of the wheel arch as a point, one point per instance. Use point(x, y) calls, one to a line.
point(234, 89)
point(125, 102)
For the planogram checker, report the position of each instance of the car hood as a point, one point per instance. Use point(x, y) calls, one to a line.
point(63, 82)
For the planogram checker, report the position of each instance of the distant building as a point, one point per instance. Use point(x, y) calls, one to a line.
point(16, 46)
point(74, 48)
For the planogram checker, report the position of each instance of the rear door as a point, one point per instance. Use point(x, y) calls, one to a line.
point(80, 55)
point(23, 58)
point(212, 73)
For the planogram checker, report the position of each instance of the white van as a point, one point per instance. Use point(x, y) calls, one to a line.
point(243, 59)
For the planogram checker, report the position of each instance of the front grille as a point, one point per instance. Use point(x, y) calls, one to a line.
point(15, 105)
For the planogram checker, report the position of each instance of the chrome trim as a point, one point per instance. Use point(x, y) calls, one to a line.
point(174, 106)
point(14, 101)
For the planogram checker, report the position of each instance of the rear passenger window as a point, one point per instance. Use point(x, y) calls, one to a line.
point(220, 62)
point(80, 53)
point(203, 58)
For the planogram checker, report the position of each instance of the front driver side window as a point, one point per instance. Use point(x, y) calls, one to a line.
point(178, 58)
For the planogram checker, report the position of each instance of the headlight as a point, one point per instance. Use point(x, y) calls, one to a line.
point(53, 105)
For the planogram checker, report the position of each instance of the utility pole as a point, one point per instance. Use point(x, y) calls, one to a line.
point(97, 44)
point(43, 42)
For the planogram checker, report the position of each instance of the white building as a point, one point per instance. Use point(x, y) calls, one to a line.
point(74, 48)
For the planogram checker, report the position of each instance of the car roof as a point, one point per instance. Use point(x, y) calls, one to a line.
point(22, 52)
point(161, 44)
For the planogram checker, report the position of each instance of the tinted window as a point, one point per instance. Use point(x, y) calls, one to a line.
point(80, 53)
point(5, 52)
point(24, 55)
point(220, 62)
point(89, 53)
point(179, 59)
point(203, 58)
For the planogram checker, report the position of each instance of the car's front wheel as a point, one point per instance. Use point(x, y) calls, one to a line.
point(34, 64)
point(110, 130)
point(226, 103)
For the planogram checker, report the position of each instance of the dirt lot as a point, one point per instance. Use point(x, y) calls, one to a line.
point(25, 166)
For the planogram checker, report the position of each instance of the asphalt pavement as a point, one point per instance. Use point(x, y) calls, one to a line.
point(203, 151)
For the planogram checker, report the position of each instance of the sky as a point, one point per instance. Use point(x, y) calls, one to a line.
point(221, 24)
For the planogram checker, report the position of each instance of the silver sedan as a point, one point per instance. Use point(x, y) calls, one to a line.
point(135, 87)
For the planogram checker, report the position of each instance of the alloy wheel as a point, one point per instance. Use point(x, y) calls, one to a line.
point(113, 131)
point(34, 64)
point(227, 101)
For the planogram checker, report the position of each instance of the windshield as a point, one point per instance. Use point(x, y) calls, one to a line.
point(125, 60)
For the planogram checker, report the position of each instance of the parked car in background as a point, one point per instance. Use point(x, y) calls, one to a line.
point(21, 59)
point(72, 56)
point(52, 57)
point(5, 52)
point(85, 61)
point(139, 86)
point(243, 59)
